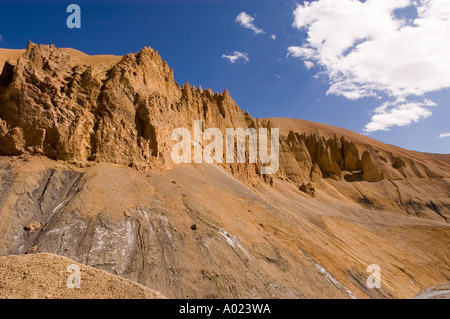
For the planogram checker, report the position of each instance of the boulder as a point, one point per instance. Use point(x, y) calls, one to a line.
point(352, 160)
point(371, 172)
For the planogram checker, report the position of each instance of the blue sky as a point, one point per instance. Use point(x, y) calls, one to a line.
point(411, 103)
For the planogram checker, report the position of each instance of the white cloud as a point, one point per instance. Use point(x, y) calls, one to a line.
point(247, 22)
point(301, 52)
point(444, 135)
point(236, 56)
point(366, 50)
point(309, 65)
point(277, 76)
point(1, 38)
point(398, 113)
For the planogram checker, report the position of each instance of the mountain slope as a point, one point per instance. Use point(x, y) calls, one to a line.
point(85, 148)
point(263, 241)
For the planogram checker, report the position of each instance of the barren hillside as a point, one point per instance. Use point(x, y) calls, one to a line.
point(85, 148)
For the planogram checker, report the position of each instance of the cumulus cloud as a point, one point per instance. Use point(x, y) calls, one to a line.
point(368, 49)
point(246, 21)
point(237, 55)
point(273, 36)
point(444, 135)
point(301, 52)
point(309, 65)
point(398, 113)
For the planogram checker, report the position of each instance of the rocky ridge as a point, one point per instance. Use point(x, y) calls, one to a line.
point(56, 104)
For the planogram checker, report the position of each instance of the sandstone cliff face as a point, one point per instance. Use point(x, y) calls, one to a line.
point(55, 105)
